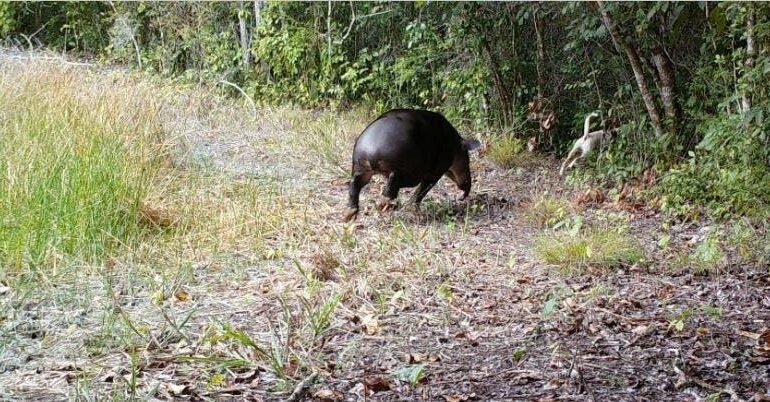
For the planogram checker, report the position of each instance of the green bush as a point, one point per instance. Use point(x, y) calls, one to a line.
point(506, 151)
point(726, 173)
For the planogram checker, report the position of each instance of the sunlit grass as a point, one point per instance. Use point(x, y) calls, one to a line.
point(77, 158)
point(597, 248)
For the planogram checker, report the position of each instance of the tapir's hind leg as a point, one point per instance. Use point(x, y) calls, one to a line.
point(359, 180)
point(390, 192)
point(422, 190)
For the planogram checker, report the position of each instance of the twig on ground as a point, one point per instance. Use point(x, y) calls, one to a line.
point(302, 387)
point(685, 380)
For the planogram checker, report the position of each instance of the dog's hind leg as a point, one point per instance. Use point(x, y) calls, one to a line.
point(574, 161)
point(572, 157)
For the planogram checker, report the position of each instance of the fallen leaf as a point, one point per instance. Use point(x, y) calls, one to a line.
point(370, 324)
point(455, 398)
point(641, 330)
point(552, 384)
point(750, 335)
point(529, 375)
point(327, 395)
point(377, 383)
point(182, 295)
point(489, 303)
point(416, 357)
point(176, 389)
point(765, 337)
point(246, 377)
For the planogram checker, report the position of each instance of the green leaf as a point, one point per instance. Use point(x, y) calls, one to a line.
point(519, 354)
point(664, 241)
point(549, 306)
point(412, 374)
point(717, 19)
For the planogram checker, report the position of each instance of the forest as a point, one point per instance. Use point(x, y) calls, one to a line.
point(173, 177)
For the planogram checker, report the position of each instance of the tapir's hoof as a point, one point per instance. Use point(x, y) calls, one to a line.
point(386, 204)
point(350, 215)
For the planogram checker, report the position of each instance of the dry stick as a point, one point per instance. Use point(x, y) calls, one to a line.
point(302, 387)
point(685, 379)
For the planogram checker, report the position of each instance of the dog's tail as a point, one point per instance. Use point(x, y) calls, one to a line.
point(587, 124)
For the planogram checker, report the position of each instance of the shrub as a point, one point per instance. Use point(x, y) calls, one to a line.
point(726, 173)
point(506, 151)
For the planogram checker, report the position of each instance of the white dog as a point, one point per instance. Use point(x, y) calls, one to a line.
point(585, 144)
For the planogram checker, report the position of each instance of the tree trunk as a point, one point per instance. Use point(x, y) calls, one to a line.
point(540, 61)
point(257, 14)
point(668, 94)
point(329, 30)
point(751, 51)
point(636, 65)
point(245, 38)
point(502, 90)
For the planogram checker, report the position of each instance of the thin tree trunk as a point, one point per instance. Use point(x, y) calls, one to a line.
point(751, 51)
point(636, 65)
point(329, 30)
point(540, 61)
point(668, 93)
point(502, 90)
point(257, 14)
point(244, 35)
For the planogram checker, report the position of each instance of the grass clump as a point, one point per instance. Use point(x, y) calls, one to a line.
point(78, 156)
point(591, 248)
point(507, 151)
point(546, 211)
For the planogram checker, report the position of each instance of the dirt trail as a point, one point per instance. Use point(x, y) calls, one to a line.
point(607, 335)
point(452, 297)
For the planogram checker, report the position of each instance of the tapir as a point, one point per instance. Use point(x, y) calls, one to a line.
point(411, 148)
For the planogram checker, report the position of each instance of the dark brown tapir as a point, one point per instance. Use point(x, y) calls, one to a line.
point(411, 148)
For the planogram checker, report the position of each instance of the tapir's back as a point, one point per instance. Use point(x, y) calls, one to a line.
point(419, 143)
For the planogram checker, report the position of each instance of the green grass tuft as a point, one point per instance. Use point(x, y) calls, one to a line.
point(546, 211)
point(593, 248)
point(507, 151)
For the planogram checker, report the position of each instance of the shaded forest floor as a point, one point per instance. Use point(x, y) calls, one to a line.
point(257, 286)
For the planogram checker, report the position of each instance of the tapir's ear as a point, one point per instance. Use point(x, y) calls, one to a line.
point(470, 145)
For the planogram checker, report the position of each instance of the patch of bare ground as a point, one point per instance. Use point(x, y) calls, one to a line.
point(259, 292)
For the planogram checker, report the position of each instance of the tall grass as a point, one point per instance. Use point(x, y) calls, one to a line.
point(77, 156)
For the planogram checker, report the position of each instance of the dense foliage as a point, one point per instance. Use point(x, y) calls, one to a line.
point(687, 81)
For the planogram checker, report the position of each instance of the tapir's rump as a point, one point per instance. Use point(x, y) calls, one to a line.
point(411, 148)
